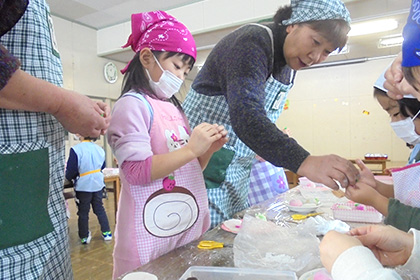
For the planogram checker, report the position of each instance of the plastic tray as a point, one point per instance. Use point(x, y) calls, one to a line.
point(354, 212)
point(233, 273)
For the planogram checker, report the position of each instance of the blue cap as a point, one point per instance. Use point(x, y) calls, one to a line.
point(411, 34)
point(313, 10)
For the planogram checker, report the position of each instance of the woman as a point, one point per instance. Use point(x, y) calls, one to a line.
point(244, 84)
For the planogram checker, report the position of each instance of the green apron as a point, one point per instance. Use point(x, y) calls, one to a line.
point(24, 188)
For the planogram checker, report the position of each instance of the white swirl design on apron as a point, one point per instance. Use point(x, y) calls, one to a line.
point(170, 213)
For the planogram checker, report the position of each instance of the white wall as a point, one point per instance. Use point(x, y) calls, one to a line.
point(326, 114)
point(83, 69)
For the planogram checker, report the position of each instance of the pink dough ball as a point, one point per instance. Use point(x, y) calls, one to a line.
point(295, 202)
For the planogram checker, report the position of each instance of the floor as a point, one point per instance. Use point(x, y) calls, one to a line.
point(91, 261)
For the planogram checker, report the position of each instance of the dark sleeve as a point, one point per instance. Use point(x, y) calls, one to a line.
point(103, 165)
point(402, 216)
point(10, 13)
point(72, 169)
point(8, 65)
point(249, 67)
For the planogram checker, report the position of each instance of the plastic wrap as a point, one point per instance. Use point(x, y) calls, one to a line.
point(263, 244)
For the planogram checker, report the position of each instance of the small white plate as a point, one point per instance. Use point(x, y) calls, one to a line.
point(232, 225)
point(305, 208)
point(140, 275)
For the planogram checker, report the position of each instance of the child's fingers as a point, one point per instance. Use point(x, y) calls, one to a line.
point(360, 164)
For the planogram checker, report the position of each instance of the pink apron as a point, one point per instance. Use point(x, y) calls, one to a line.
point(167, 213)
point(407, 184)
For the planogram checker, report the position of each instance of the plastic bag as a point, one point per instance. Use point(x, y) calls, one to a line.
point(263, 244)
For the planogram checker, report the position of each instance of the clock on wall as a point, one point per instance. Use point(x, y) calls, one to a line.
point(110, 72)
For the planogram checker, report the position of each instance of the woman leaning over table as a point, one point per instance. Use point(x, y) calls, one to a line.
point(244, 84)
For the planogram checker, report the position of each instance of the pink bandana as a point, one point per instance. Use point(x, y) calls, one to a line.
point(159, 31)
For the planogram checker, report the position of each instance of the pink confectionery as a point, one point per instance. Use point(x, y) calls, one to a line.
point(295, 202)
point(322, 275)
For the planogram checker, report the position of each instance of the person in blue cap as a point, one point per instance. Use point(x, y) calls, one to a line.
point(244, 84)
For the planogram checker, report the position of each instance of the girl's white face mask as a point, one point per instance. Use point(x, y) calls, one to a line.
point(406, 130)
point(168, 83)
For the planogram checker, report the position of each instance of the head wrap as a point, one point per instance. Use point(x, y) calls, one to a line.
point(159, 31)
point(313, 10)
point(411, 34)
point(379, 84)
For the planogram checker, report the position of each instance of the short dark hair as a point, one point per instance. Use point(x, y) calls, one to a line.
point(334, 30)
point(409, 107)
point(377, 92)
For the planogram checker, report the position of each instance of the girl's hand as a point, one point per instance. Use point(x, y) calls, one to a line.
point(203, 137)
point(217, 145)
point(366, 175)
point(362, 193)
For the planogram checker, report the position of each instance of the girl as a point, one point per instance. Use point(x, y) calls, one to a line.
point(244, 85)
point(399, 202)
point(163, 203)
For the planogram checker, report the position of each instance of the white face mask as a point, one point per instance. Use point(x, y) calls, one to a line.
point(168, 83)
point(406, 130)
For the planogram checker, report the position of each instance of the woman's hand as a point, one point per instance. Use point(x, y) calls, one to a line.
point(80, 114)
point(329, 169)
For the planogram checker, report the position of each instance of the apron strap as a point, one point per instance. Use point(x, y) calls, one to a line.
point(90, 172)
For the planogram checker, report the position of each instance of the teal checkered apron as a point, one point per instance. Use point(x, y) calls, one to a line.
point(232, 194)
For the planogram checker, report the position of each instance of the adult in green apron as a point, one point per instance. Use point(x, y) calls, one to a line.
point(33, 223)
point(245, 79)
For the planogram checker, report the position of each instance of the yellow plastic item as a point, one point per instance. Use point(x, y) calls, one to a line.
point(298, 217)
point(209, 245)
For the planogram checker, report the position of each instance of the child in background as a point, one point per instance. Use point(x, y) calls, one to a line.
point(163, 203)
point(84, 167)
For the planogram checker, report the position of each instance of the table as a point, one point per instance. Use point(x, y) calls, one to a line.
point(381, 162)
point(173, 265)
point(115, 179)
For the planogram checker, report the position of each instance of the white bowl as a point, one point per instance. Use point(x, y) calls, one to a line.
point(305, 208)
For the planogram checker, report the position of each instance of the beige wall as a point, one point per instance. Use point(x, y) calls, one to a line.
point(326, 116)
point(83, 69)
